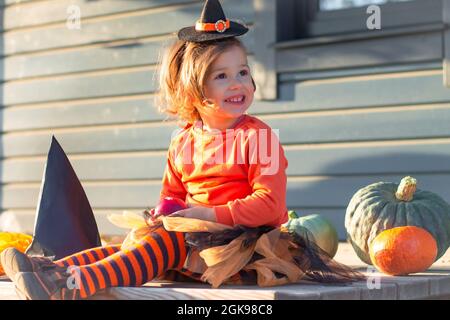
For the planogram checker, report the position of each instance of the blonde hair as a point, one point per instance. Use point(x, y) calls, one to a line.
point(182, 75)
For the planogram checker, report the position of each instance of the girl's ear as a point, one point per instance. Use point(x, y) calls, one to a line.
point(254, 85)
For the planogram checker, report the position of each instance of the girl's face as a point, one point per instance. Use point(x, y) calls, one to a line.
point(229, 86)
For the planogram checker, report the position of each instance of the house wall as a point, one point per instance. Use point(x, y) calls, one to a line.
point(351, 109)
point(93, 89)
point(365, 106)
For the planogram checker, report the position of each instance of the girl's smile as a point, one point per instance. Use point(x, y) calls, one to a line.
point(236, 99)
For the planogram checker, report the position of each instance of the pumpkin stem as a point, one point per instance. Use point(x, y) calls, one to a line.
point(406, 189)
point(292, 214)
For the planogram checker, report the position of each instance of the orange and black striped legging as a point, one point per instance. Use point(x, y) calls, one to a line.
point(110, 266)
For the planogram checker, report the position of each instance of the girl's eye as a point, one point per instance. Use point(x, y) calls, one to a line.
point(223, 75)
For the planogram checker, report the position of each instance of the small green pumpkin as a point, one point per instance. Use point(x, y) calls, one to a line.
point(385, 205)
point(320, 229)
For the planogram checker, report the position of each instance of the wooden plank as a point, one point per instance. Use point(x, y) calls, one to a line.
point(45, 12)
point(336, 192)
point(103, 111)
point(7, 3)
point(360, 71)
point(192, 292)
point(102, 139)
point(131, 194)
point(432, 284)
point(111, 110)
point(127, 53)
point(369, 124)
point(131, 109)
point(298, 128)
point(381, 90)
point(138, 80)
point(76, 87)
point(7, 290)
point(130, 26)
point(347, 92)
point(123, 54)
point(399, 157)
point(369, 52)
point(13, 2)
point(356, 125)
point(303, 192)
point(22, 220)
point(123, 166)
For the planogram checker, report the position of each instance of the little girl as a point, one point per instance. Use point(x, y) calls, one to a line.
point(228, 166)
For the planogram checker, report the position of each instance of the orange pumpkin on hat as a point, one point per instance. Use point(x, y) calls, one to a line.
point(403, 250)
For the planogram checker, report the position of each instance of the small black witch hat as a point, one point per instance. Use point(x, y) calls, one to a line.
point(65, 223)
point(212, 25)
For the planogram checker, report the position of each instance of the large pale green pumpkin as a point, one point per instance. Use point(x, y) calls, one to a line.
point(385, 205)
point(319, 228)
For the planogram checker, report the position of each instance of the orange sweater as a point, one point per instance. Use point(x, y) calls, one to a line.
point(239, 172)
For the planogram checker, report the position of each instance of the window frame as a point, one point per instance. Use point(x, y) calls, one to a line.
point(353, 20)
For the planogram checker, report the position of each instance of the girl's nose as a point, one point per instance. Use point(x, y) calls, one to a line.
point(235, 83)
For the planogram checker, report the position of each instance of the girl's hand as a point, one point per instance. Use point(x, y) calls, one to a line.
point(149, 215)
point(202, 213)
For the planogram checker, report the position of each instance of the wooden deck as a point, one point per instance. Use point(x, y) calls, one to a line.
point(433, 284)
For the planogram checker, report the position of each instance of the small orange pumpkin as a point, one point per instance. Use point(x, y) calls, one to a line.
point(20, 241)
point(403, 250)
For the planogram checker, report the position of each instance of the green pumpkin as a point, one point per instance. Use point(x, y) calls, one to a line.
point(385, 205)
point(318, 228)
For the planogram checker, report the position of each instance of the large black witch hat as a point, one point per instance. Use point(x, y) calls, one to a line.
point(65, 223)
point(212, 25)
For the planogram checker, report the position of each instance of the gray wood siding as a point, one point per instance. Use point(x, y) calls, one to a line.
point(93, 89)
point(378, 126)
point(364, 108)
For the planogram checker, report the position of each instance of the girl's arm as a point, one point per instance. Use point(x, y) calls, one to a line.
point(172, 186)
point(197, 212)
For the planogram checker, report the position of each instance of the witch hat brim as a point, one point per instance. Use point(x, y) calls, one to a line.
point(192, 35)
point(65, 223)
point(212, 25)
